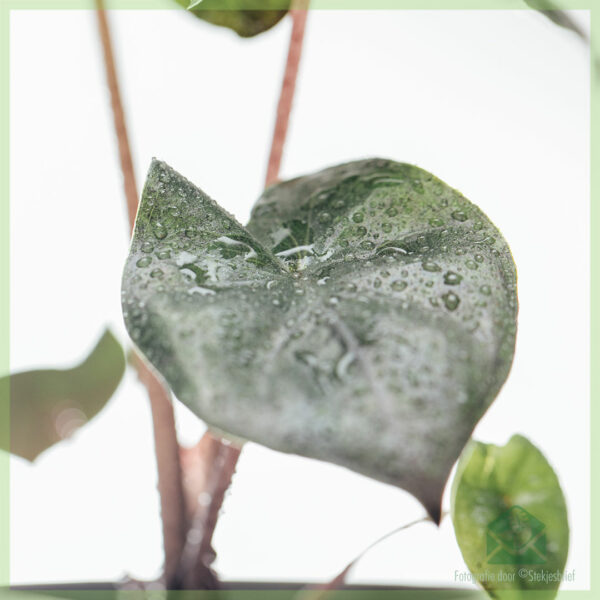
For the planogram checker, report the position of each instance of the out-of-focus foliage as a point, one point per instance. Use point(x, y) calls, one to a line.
point(552, 11)
point(47, 405)
point(246, 17)
point(510, 519)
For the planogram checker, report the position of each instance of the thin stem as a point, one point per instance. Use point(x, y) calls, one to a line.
point(165, 437)
point(318, 592)
point(131, 194)
point(286, 97)
point(170, 485)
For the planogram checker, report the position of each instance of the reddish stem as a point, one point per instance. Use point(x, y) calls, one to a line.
point(131, 194)
point(209, 467)
point(286, 97)
point(170, 485)
point(165, 437)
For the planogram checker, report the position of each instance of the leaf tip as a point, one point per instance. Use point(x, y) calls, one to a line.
point(435, 513)
point(431, 499)
point(156, 165)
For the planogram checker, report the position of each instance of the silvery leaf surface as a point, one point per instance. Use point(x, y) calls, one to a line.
point(366, 316)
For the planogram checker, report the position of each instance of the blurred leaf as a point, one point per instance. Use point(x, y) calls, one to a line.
point(366, 316)
point(47, 405)
point(550, 10)
point(242, 16)
point(510, 518)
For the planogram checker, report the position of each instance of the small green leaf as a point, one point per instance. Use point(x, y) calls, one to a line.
point(366, 316)
point(510, 518)
point(246, 17)
point(46, 406)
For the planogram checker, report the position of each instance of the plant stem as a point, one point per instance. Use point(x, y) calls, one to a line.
point(227, 461)
point(288, 87)
point(217, 483)
point(170, 485)
point(320, 592)
point(131, 194)
point(208, 468)
point(165, 437)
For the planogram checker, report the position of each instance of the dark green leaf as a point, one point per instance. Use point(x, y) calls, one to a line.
point(550, 10)
point(48, 405)
point(246, 17)
point(510, 518)
point(366, 316)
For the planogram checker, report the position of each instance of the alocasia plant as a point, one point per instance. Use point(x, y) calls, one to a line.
point(366, 315)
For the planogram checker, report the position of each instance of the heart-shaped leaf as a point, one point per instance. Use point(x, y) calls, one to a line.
point(46, 406)
point(510, 518)
point(366, 316)
point(246, 17)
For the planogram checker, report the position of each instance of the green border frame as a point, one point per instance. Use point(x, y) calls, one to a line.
point(6, 6)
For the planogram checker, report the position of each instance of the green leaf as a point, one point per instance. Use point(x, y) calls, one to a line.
point(246, 17)
point(366, 316)
point(550, 10)
point(510, 518)
point(47, 405)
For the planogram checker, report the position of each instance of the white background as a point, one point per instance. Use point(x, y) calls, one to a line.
point(494, 103)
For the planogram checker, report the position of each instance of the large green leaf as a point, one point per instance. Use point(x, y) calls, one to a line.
point(366, 316)
point(246, 17)
point(510, 518)
point(46, 406)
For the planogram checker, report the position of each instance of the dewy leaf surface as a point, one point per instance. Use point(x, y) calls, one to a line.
point(366, 316)
point(246, 17)
point(510, 518)
point(47, 405)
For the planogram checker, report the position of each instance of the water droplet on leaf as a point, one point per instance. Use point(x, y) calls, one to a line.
point(459, 215)
point(452, 278)
point(144, 261)
point(451, 300)
point(431, 266)
point(160, 231)
point(398, 285)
